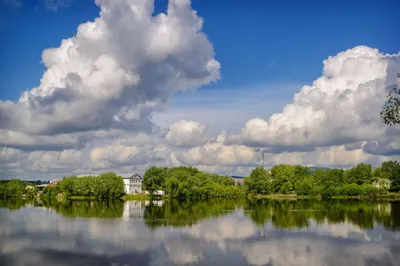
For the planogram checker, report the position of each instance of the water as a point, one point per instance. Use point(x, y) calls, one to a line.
point(206, 233)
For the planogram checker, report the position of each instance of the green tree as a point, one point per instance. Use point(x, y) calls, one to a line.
point(390, 112)
point(391, 171)
point(359, 174)
point(258, 182)
point(283, 178)
point(154, 178)
point(30, 191)
point(67, 186)
point(14, 189)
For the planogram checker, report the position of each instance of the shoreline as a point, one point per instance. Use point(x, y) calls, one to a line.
point(389, 196)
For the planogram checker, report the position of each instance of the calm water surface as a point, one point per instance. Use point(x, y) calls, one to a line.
point(207, 233)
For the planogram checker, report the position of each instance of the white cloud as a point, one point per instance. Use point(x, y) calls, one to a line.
point(141, 149)
point(28, 142)
point(186, 133)
point(216, 153)
point(340, 107)
point(116, 70)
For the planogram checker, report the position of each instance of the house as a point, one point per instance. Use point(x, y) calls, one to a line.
point(133, 184)
point(239, 180)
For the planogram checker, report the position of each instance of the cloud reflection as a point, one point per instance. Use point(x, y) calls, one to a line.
point(40, 236)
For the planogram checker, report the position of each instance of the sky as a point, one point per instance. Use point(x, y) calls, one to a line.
point(93, 86)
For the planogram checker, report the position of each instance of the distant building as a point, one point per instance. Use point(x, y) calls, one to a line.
point(41, 187)
point(239, 180)
point(54, 183)
point(155, 192)
point(382, 183)
point(133, 184)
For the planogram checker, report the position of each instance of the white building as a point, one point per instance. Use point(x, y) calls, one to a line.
point(133, 184)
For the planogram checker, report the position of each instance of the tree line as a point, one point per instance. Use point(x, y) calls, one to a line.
point(16, 188)
point(188, 183)
point(104, 186)
point(359, 180)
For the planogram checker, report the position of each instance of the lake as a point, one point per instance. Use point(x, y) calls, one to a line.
point(262, 232)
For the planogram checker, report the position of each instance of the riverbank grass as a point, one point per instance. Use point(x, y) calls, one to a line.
point(136, 197)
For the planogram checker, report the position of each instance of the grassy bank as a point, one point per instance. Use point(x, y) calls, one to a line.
point(82, 198)
point(282, 196)
point(136, 197)
point(389, 196)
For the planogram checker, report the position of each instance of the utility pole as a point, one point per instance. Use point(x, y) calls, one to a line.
point(263, 158)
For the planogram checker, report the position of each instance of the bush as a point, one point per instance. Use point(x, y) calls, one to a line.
point(329, 192)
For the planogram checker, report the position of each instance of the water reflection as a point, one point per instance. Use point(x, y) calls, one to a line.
point(205, 233)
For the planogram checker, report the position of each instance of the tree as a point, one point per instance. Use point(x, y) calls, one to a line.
point(154, 178)
point(359, 174)
point(67, 185)
point(391, 171)
point(390, 113)
point(14, 188)
point(30, 191)
point(258, 181)
point(283, 178)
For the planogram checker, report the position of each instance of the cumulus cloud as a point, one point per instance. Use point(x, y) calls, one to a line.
point(186, 133)
point(216, 156)
point(340, 107)
point(140, 149)
point(28, 142)
point(216, 153)
point(116, 70)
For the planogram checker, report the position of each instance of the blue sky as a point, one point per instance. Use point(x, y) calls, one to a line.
point(255, 41)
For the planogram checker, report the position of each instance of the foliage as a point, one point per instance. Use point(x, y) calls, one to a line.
point(30, 191)
point(258, 182)
point(390, 113)
point(391, 171)
point(154, 179)
point(188, 183)
point(359, 174)
point(12, 189)
point(104, 186)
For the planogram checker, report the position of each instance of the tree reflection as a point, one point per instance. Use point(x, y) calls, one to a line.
point(175, 213)
point(87, 209)
point(284, 214)
point(287, 214)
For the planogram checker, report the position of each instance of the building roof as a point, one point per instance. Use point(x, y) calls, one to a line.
point(237, 177)
point(135, 175)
